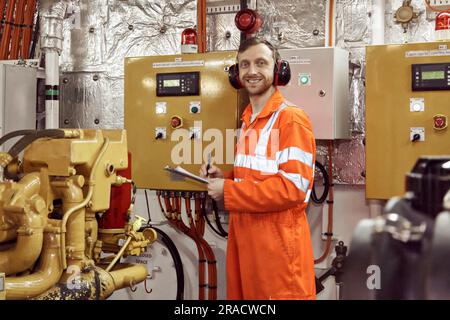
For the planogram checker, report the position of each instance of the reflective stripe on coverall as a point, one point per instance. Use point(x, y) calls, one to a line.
point(269, 252)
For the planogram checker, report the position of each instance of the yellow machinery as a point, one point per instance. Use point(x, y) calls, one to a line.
point(179, 109)
point(407, 109)
point(50, 247)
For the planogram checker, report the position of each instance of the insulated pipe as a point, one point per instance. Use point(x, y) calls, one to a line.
point(51, 89)
point(47, 275)
point(378, 21)
point(51, 25)
point(18, 26)
point(6, 35)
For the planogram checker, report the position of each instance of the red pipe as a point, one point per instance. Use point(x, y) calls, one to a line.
point(201, 25)
point(24, 52)
point(6, 35)
point(18, 27)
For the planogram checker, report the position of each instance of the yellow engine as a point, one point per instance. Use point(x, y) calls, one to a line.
point(50, 246)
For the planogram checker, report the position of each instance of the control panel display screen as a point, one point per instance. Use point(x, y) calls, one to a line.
point(171, 83)
point(430, 76)
point(178, 84)
point(433, 75)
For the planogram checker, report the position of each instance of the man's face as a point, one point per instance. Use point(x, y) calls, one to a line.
point(256, 67)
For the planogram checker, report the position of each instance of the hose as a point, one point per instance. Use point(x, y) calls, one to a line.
point(326, 183)
point(14, 134)
point(28, 139)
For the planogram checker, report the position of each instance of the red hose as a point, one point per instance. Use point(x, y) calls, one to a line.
point(30, 10)
point(18, 27)
point(6, 35)
point(2, 14)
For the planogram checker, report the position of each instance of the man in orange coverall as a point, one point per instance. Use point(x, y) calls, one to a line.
point(269, 252)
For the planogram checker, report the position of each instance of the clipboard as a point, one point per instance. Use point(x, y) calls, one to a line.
point(182, 172)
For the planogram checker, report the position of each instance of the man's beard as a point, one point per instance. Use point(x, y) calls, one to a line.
point(260, 91)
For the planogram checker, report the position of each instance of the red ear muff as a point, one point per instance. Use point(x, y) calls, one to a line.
point(233, 76)
point(282, 73)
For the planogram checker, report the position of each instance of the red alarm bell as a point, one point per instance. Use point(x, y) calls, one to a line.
point(248, 21)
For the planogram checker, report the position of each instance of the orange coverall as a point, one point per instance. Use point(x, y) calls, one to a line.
point(269, 253)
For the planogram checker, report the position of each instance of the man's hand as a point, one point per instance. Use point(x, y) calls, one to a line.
point(215, 188)
point(214, 172)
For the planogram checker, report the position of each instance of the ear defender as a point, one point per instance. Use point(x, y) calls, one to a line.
point(281, 74)
point(233, 76)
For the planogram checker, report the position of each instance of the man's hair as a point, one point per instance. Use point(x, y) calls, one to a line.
point(250, 42)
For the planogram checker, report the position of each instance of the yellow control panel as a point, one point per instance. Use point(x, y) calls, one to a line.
point(178, 110)
point(407, 110)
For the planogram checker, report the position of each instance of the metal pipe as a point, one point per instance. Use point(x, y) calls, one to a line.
point(82, 204)
point(330, 14)
point(128, 276)
point(30, 233)
point(47, 275)
point(118, 255)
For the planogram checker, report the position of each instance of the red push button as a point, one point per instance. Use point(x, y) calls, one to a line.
point(440, 122)
point(176, 122)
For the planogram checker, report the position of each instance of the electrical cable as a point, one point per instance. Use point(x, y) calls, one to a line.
point(326, 183)
point(28, 139)
point(148, 207)
point(173, 252)
point(220, 230)
point(14, 134)
point(165, 239)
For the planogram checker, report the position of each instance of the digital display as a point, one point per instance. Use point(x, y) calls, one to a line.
point(433, 75)
point(171, 83)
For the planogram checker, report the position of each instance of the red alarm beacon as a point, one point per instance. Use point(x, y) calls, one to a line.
point(189, 42)
point(248, 21)
point(442, 27)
